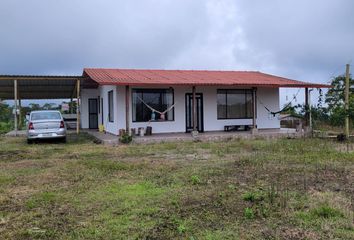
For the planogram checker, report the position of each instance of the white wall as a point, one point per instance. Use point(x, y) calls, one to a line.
point(268, 96)
point(85, 95)
point(111, 127)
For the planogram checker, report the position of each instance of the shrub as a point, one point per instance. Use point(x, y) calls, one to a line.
point(195, 179)
point(253, 197)
point(5, 127)
point(248, 212)
point(181, 229)
point(125, 138)
point(325, 211)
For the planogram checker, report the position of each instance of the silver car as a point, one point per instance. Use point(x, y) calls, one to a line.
point(45, 124)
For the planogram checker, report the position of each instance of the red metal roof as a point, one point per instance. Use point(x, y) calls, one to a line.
point(191, 77)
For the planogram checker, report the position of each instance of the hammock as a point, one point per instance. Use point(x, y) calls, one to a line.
point(162, 114)
point(285, 108)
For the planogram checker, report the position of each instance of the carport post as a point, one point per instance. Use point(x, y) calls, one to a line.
point(15, 110)
point(78, 106)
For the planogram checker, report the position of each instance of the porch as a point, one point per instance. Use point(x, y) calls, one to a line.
point(110, 139)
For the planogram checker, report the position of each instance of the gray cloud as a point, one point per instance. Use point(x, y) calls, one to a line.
point(305, 40)
point(65, 36)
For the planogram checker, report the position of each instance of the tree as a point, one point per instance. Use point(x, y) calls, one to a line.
point(50, 106)
point(34, 106)
point(5, 112)
point(335, 101)
point(5, 117)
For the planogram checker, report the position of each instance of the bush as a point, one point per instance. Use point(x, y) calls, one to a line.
point(5, 127)
point(253, 197)
point(326, 211)
point(181, 229)
point(248, 212)
point(125, 138)
point(195, 180)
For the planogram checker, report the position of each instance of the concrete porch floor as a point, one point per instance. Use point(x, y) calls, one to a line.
point(110, 139)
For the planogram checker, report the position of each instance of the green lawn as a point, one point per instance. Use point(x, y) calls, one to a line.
point(239, 189)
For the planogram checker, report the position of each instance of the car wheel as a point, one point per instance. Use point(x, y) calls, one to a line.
point(63, 140)
point(29, 141)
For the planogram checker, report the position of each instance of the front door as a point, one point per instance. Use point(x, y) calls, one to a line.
point(93, 113)
point(189, 112)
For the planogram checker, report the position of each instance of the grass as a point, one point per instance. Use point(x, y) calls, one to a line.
point(239, 189)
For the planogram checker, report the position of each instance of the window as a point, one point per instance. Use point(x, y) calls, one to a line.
point(45, 116)
point(110, 107)
point(158, 99)
point(234, 104)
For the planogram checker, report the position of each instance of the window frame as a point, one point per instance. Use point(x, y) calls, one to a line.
point(110, 105)
point(151, 90)
point(245, 91)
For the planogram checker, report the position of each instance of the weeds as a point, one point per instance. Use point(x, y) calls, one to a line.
point(213, 190)
point(41, 200)
point(248, 213)
point(325, 211)
point(195, 180)
point(253, 196)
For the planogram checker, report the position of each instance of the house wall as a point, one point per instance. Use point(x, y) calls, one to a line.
point(268, 97)
point(86, 94)
point(111, 127)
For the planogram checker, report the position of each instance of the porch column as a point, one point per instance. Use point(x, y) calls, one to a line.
point(194, 108)
point(254, 108)
point(307, 120)
point(15, 109)
point(127, 116)
point(78, 106)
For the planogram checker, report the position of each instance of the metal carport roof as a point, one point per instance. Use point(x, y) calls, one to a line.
point(42, 87)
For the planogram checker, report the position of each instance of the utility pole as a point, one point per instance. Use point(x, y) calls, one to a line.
point(346, 93)
point(310, 114)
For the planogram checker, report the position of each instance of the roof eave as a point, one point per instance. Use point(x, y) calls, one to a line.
point(219, 84)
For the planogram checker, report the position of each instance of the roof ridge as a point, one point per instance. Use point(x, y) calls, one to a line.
point(187, 70)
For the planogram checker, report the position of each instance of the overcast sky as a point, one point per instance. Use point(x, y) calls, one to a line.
point(302, 39)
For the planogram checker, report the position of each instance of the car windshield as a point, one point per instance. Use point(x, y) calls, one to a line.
point(45, 116)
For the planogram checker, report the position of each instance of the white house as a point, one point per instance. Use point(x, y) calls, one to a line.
point(126, 98)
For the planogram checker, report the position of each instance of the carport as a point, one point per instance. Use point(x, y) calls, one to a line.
point(27, 87)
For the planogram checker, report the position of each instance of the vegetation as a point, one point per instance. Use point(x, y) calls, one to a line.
point(125, 138)
point(239, 189)
point(335, 101)
point(329, 112)
point(5, 117)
